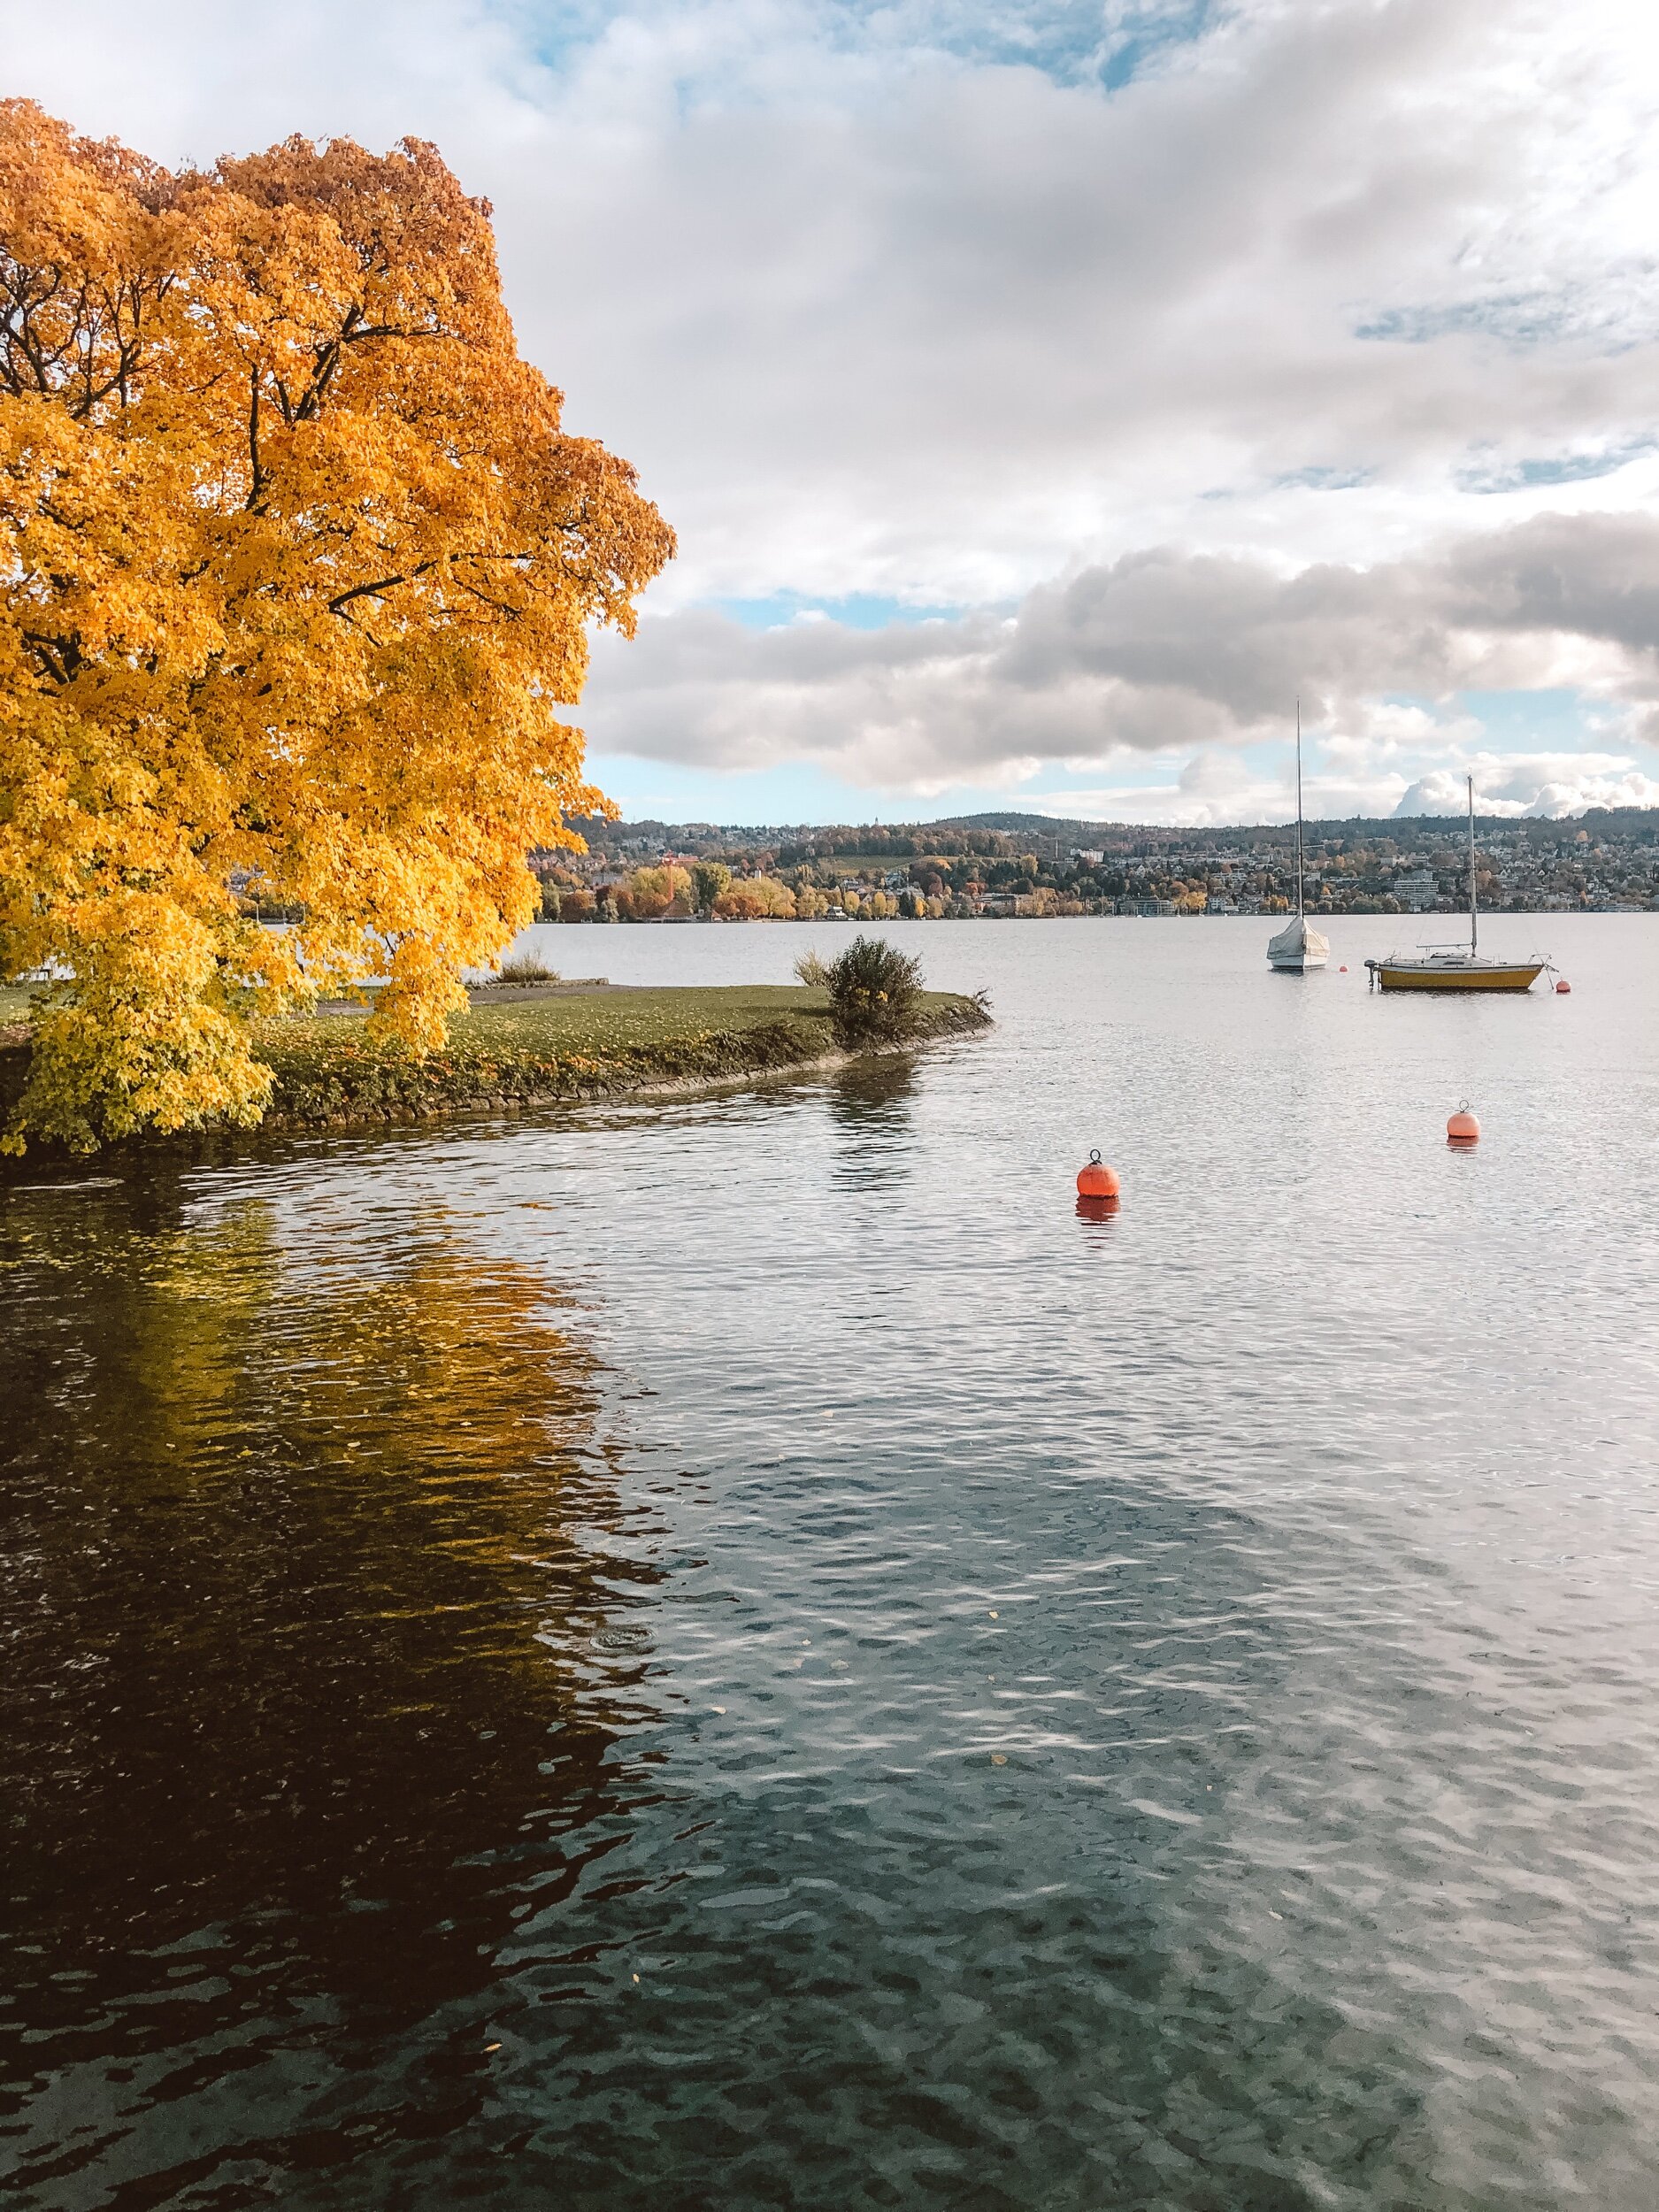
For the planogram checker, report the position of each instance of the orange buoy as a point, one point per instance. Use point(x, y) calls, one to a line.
point(1562, 983)
point(1462, 1128)
point(1095, 1180)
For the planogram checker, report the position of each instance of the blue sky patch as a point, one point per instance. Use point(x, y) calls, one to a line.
point(858, 610)
point(1559, 468)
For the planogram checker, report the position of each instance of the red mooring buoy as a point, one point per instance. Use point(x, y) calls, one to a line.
point(1462, 1128)
point(1097, 1182)
point(1562, 983)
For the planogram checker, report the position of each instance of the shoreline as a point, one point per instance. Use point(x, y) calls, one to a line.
point(563, 1046)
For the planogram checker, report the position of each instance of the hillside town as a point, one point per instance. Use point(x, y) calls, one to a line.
point(1021, 866)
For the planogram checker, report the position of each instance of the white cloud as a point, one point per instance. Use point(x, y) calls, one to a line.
point(899, 300)
point(1159, 653)
point(1549, 785)
point(876, 316)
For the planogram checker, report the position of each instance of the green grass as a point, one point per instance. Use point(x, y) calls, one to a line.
point(636, 1018)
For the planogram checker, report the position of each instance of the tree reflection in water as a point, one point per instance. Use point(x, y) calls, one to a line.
point(869, 1110)
point(321, 1618)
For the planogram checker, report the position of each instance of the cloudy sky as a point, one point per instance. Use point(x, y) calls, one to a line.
point(1045, 394)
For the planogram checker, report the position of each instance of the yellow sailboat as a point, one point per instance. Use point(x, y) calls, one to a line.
point(1448, 967)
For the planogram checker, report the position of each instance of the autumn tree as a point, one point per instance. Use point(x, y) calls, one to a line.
point(708, 880)
point(755, 898)
point(299, 568)
point(653, 891)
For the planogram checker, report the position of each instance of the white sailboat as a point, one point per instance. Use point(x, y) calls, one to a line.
point(1298, 947)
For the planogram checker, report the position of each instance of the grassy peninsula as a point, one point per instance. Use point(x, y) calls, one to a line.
point(540, 1044)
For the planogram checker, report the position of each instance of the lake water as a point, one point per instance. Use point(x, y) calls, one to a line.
point(740, 1655)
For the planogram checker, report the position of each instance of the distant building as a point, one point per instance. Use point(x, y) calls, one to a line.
point(1216, 903)
point(1416, 890)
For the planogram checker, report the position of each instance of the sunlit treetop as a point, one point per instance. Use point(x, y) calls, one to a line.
point(298, 574)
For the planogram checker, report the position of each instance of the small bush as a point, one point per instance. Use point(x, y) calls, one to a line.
point(874, 993)
point(810, 969)
point(526, 969)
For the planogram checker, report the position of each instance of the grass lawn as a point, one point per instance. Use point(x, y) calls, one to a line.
point(608, 1019)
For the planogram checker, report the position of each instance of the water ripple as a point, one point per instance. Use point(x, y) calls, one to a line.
point(739, 1655)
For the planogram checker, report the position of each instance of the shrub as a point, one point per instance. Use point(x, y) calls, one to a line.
point(810, 969)
point(874, 992)
point(526, 969)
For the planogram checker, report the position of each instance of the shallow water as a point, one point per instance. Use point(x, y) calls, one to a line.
point(740, 1655)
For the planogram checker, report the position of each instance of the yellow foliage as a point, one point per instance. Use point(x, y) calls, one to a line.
point(755, 898)
point(654, 890)
point(298, 574)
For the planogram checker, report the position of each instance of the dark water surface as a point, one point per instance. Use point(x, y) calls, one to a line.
point(741, 1656)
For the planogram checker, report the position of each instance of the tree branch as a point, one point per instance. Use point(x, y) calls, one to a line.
point(256, 489)
point(60, 657)
point(379, 588)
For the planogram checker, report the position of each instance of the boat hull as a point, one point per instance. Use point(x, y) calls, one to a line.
point(1410, 975)
point(1298, 948)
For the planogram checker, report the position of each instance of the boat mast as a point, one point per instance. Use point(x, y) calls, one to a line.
point(1299, 810)
point(1473, 924)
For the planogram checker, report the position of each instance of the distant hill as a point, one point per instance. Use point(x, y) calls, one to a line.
point(1621, 821)
point(1048, 833)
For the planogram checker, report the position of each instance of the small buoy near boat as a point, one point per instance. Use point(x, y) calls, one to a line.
point(1096, 1181)
point(1562, 983)
point(1343, 969)
point(1462, 1128)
